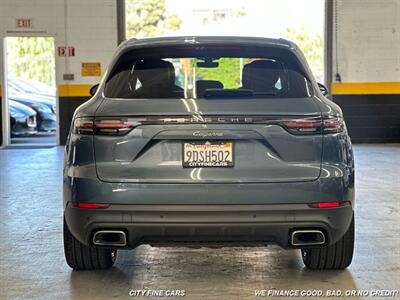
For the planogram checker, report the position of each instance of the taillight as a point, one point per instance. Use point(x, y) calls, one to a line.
point(314, 125)
point(329, 204)
point(113, 126)
point(122, 125)
point(90, 205)
point(105, 126)
point(333, 124)
point(303, 126)
point(83, 126)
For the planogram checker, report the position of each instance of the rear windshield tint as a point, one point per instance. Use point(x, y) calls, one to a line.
point(208, 72)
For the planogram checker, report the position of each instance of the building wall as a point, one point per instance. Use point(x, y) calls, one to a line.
point(89, 26)
point(366, 55)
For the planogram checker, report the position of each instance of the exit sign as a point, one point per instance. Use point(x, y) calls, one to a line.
point(66, 51)
point(24, 23)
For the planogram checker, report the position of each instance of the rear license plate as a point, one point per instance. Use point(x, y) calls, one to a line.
point(207, 154)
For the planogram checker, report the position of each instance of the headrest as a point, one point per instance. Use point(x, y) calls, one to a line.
point(155, 71)
point(261, 75)
point(203, 85)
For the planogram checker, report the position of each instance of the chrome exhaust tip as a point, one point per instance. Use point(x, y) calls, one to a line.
point(116, 238)
point(307, 237)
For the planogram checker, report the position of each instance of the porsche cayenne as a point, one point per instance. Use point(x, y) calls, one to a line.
point(208, 141)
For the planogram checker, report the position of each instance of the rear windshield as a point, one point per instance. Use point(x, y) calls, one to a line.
point(208, 72)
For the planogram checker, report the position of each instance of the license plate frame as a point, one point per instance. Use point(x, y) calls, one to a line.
point(228, 158)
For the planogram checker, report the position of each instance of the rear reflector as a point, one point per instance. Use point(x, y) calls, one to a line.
point(329, 204)
point(90, 205)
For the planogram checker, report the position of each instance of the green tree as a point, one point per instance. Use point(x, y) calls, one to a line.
point(227, 72)
point(311, 43)
point(149, 18)
point(31, 58)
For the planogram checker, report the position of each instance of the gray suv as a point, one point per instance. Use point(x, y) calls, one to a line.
point(208, 141)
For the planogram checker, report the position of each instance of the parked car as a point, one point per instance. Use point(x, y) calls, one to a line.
point(32, 87)
point(46, 114)
point(150, 162)
point(22, 119)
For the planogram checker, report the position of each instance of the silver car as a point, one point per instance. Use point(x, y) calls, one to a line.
point(208, 141)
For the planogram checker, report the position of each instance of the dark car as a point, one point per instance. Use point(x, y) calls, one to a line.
point(45, 109)
point(22, 119)
point(246, 151)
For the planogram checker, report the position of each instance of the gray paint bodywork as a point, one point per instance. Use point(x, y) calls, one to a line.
point(275, 167)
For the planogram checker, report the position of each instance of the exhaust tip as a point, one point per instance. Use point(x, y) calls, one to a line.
point(307, 238)
point(109, 238)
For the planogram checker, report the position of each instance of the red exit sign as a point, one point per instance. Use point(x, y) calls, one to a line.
point(24, 23)
point(66, 51)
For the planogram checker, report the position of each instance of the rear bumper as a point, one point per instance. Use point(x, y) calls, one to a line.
point(208, 224)
point(237, 213)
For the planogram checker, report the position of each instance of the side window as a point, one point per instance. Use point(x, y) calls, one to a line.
point(278, 84)
point(138, 85)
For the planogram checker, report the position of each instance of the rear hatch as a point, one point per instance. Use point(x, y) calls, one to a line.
point(262, 134)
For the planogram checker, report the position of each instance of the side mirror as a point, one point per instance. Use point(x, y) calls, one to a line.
point(93, 89)
point(323, 89)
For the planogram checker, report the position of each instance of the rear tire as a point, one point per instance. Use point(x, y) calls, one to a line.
point(82, 257)
point(334, 257)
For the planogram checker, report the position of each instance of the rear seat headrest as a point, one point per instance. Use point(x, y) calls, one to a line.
point(203, 85)
point(155, 71)
point(261, 75)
